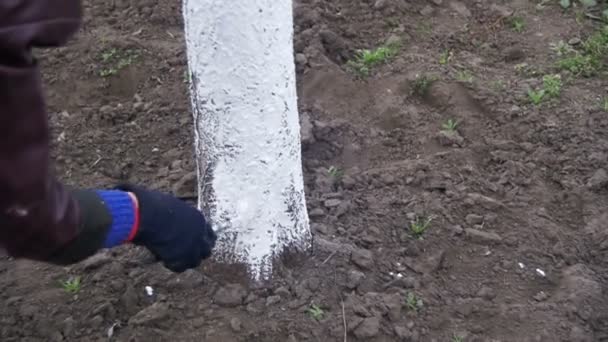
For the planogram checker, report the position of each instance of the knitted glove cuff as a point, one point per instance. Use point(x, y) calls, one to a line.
point(123, 209)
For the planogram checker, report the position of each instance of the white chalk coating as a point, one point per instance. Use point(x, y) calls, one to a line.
point(247, 132)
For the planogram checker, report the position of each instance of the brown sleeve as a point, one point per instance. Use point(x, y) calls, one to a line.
point(38, 215)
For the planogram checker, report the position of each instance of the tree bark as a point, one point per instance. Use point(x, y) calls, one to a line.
point(247, 132)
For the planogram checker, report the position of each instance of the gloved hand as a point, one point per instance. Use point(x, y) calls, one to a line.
point(175, 232)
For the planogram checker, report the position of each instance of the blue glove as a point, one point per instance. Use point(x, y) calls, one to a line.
point(175, 232)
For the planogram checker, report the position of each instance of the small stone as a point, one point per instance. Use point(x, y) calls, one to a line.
point(438, 2)
point(450, 138)
point(236, 324)
point(574, 41)
point(393, 40)
point(97, 260)
point(332, 203)
point(68, 326)
point(316, 213)
point(306, 126)
point(152, 314)
point(272, 300)
point(348, 182)
point(363, 258)
point(599, 180)
point(482, 237)
point(380, 4)
point(189, 279)
point(427, 11)
point(484, 201)
point(502, 11)
point(128, 300)
point(460, 8)
point(541, 296)
point(301, 59)
point(457, 229)
point(403, 282)
point(370, 327)
point(230, 295)
point(403, 333)
point(474, 219)
point(486, 293)
point(282, 291)
point(354, 279)
point(186, 185)
point(393, 303)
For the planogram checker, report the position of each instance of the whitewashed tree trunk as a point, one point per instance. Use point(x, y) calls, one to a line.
point(247, 132)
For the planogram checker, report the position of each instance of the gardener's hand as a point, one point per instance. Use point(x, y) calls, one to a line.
point(175, 232)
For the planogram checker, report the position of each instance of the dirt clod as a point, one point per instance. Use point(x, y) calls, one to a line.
point(363, 258)
point(150, 315)
point(230, 295)
point(482, 237)
point(369, 327)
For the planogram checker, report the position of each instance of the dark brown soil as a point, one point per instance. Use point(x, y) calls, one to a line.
point(517, 191)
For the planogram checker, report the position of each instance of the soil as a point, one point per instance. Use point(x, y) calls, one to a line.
point(516, 248)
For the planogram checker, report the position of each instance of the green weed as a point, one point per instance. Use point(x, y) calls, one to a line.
point(464, 76)
point(552, 87)
point(71, 285)
point(316, 312)
point(335, 173)
point(590, 59)
point(413, 302)
point(498, 85)
point(421, 84)
point(445, 57)
point(457, 338)
point(517, 24)
point(367, 59)
point(561, 48)
point(450, 125)
point(420, 226)
point(114, 60)
point(605, 104)
point(536, 96)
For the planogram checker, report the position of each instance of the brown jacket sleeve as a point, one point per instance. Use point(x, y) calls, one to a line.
point(38, 216)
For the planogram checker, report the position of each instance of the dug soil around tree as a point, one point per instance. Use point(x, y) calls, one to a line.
point(446, 204)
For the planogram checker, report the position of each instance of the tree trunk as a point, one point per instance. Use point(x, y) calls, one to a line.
point(247, 132)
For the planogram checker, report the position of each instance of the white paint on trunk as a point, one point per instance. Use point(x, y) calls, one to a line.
point(247, 132)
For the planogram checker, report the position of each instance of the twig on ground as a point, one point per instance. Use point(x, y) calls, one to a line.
point(329, 257)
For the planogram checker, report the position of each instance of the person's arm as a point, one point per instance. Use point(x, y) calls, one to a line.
point(38, 215)
point(40, 218)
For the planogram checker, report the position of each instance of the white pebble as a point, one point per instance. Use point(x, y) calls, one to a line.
point(540, 272)
point(391, 274)
point(149, 290)
point(399, 275)
point(522, 266)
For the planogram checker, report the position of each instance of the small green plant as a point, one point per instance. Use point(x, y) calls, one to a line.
point(71, 285)
point(335, 173)
point(552, 84)
point(605, 104)
point(536, 96)
point(366, 59)
point(413, 302)
point(552, 87)
point(114, 60)
point(449, 126)
point(464, 76)
point(424, 28)
point(316, 312)
point(590, 59)
point(457, 338)
point(561, 48)
point(421, 84)
point(420, 226)
point(517, 24)
point(498, 85)
point(445, 57)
